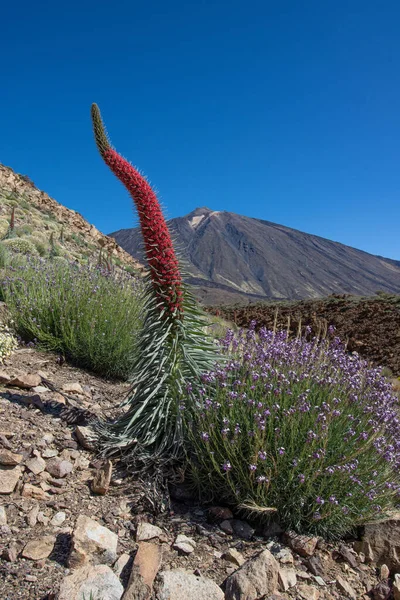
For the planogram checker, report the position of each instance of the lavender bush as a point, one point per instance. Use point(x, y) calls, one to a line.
point(92, 317)
point(298, 426)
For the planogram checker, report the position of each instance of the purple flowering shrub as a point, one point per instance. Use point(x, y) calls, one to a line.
point(299, 426)
point(91, 316)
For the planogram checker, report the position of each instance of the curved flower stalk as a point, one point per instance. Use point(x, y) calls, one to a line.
point(173, 347)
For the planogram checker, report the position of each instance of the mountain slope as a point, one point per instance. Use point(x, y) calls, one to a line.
point(38, 218)
point(230, 256)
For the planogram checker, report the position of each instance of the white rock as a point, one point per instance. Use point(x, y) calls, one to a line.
point(9, 478)
point(91, 582)
point(36, 464)
point(91, 542)
point(3, 515)
point(287, 579)
point(58, 519)
point(179, 584)
point(147, 531)
point(184, 544)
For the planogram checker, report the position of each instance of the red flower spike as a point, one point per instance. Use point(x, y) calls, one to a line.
point(164, 267)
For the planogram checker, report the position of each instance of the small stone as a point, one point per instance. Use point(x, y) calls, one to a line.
point(48, 438)
point(256, 578)
point(147, 531)
point(32, 491)
point(30, 578)
point(382, 591)
point(384, 572)
point(345, 587)
point(26, 381)
point(49, 453)
point(92, 542)
point(39, 548)
point(287, 579)
point(396, 587)
point(121, 563)
point(10, 459)
point(3, 515)
point(36, 464)
point(58, 519)
point(232, 555)
point(59, 468)
point(91, 582)
point(218, 513)
point(4, 377)
point(226, 526)
point(301, 544)
point(308, 592)
point(41, 517)
point(102, 479)
point(284, 556)
point(73, 388)
point(86, 437)
point(9, 478)
point(178, 584)
point(32, 515)
point(10, 554)
point(184, 544)
point(242, 529)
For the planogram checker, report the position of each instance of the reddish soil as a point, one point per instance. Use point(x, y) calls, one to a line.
point(370, 325)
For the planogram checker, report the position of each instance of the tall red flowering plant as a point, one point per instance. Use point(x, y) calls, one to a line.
point(173, 347)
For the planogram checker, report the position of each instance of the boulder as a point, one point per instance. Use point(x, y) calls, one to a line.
point(92, 543)
point(144, 570)
point(39, 548)
point(91, 582)
point(381, 542)
point(256, 578)
point(26, 381)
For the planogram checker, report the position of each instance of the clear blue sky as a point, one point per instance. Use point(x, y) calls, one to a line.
point(287, 111)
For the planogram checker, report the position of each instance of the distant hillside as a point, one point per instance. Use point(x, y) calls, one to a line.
point(231, 258)
point(38, 217)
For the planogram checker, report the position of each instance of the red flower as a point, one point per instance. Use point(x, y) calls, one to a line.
point(164, 267)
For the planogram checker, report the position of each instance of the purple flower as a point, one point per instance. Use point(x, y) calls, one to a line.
point(226, 466)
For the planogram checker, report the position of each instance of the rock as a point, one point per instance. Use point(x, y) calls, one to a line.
point(39, 548)
point(4, 377)
point(26, 381)
point(302, 544)
point(86, 437)
point(232, 555)
point(36, 464)
point(9, 478)
point(91, 582)
point(30, 578)
point(345, 554)
point(121, 563)
point(218, 513)
point(242, 529)
point(384, 572)
point(382, 591)
point(49, 453)
point(59, 468)
point(102, 479)
point(147, 531)
point(256, 578)
point(381, 542)
point(91, 542)
point(73, 388)
point(3, 515)
point(284, 556)
point(314, 565)
point(31, 491)
point(273, 529)
point(144, 570)
point(226, 526)
point(345, 587)
point(179, 584)
point(58, 519)
point(396, 587)
point(10, 554)
point(31, 517)
point(184, 544)
point(10, 459)
point(308, 592)
point(287, 579)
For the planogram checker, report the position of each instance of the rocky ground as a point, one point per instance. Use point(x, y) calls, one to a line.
point(72, 524)
point(369, 325)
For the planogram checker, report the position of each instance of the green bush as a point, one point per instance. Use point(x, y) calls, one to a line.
point(298, 430)
point(91, 318)
point(21, 245)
